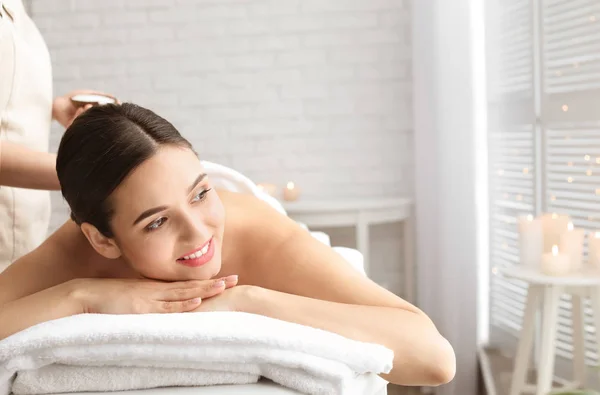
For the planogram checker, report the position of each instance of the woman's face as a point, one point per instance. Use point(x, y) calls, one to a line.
point(168, 221)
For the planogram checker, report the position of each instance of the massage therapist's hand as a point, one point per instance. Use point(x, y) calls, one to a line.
point(65, 111)
point(141, 296)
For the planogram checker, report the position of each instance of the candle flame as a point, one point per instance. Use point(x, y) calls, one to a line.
point(597, 235)
point(290, 185)
point(555, 250)
point(529, 217)
point(554, 215)
point(570, 226)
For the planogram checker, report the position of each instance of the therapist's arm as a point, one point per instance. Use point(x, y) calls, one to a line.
point(22, 167)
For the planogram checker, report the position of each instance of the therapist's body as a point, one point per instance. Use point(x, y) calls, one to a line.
point(27, 108)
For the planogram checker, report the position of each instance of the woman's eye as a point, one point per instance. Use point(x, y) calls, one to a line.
point(200, 196)
point(156, 224)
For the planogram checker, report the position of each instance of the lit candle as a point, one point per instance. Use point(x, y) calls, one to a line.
point(555, 264)
point(594, 249)
point(571, 243)
point(291, 192)
point(554, 226)
point(531, 241)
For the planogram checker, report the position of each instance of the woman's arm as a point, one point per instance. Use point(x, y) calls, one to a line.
point(422, 357)
point(58, 280)
point(22, 167)
point(49, 304)
point(302, 280)
point(37, 287)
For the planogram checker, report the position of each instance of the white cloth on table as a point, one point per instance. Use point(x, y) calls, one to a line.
point(98, 352)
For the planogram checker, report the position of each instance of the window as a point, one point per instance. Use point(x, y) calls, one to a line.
point(543, 66)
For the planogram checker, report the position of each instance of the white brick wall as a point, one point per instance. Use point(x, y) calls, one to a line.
point(315, 91)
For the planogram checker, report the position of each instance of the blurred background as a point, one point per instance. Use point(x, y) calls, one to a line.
point(465, 114)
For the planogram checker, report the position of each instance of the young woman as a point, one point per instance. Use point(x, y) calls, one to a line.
point(150, 235)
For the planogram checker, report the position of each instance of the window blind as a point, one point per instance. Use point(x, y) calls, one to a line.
point(570, 96)
point(544, 136)
point(511, 144)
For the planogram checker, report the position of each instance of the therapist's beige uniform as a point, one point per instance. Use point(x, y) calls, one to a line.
point(25, 118)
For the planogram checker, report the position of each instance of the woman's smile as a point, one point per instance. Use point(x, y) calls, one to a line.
point(199, 256)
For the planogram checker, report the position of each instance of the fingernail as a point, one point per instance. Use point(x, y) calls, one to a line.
point(231, 278)
point(196, 300)
point(219, 284)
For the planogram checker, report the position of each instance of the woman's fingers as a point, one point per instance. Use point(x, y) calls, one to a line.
point(180, 294)
point(230, 281)
point(196, 289)
point(182, 306)
point(187, 295)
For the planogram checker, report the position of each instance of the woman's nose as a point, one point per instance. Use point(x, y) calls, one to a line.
point(194, 229)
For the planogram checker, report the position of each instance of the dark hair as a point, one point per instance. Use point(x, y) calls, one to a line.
point(100, 148)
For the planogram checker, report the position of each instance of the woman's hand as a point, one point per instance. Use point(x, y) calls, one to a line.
point(234, 299)
point(65, 111)
point(133, 296)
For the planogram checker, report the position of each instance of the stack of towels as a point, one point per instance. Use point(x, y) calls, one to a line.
point(97, 352)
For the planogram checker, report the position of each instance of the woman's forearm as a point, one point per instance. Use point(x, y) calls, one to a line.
point(421, 355)
point(52, 303)
point(22, 167)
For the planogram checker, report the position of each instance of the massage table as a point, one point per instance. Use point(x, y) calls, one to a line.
point(263, 387)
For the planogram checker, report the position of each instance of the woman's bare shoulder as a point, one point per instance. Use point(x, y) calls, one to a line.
point(230, 197)
point(254, 230)
point(235, 252)
point(287, 258)
point(246, 213)
point(62, 257)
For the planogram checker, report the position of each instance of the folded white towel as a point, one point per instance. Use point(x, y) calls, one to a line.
point(60, 378)
point(95, 352)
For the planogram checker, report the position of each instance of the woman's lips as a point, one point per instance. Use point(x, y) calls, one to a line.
point(200, 256)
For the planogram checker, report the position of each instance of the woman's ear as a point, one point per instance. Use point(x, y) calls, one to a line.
point(103, 245)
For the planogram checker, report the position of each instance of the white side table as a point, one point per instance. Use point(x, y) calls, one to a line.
point(361, 214)
point(547, 290)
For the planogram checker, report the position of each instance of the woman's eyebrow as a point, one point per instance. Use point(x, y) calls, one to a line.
point(198, 181)
point(148, 213)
